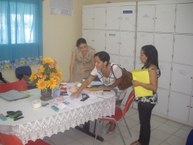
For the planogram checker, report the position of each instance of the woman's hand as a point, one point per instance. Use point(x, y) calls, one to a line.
point(75, 94)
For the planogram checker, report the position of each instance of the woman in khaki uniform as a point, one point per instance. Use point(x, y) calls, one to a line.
point(82, 61)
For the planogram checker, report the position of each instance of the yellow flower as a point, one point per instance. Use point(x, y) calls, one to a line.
point(41, 68)
point(48, 75)
point(33, 76)
point(41, 84)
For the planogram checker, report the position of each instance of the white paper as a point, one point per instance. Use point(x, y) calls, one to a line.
point(61, 7)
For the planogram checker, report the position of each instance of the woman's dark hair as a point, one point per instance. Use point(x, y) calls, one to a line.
point(152, 56)
point(103, 56)
point(80, 41)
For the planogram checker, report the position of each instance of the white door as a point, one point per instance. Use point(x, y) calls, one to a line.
point(99, 40)
point(178, 107)
point(182, 79)
point(112, 42)
point(127, 43)
point(89, 36)
point(161, 107)
point(163, 44)
point(113, 18)
point(146, 16)
point(184, 18)
point(99, 18)
point(114, 59)
point(165, 17)
point(164, 79)
point(127, 63)
point(88, 18)
point(128, 15)
point(143, 39)
point(183, 49)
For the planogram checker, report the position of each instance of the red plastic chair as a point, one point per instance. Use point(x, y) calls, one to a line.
point(119, 116)
point(13, 140)
point(19, 86)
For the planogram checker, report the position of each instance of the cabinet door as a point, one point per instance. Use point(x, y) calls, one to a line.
point(165, 17)
point(112, 42)
point(178, 109)
point(127, 63)
point(164, 79)
point(113, 18)
point(164, 43)
point(99, 17)
point(146, 16)
point(191, 112)
point(99, 40)
point(184, 19)
point(89, 36)
point(88, 18)
point(128, 15)
point(183, 49)
point(114, 59)
point(162, 106)
point(143, 39)
point(127, 40)
point(182, 79)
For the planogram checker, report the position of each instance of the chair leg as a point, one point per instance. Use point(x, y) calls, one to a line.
point(96, 131)
point(127, 127)
point(121, 134)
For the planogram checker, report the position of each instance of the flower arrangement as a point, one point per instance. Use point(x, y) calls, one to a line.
point(48, 75)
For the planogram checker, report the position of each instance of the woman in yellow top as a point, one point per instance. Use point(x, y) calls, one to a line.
point(82, 61)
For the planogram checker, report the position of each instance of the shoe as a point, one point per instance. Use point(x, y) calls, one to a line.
point(111, 128)
point(135, 143)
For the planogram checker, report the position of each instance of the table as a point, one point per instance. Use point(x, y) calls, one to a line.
point(41, 122)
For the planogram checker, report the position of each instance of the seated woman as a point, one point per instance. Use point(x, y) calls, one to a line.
point(109, 74)
point(82, 61)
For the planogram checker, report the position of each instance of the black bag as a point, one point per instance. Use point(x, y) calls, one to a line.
point(126, 79)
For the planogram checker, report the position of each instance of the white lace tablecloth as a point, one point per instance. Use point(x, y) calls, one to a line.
point(41, 122)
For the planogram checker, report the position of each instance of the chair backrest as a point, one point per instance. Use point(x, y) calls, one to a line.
point(23, 70)
point(128, 102)
point(13, 140)
point(19, 86)
point(9, 140)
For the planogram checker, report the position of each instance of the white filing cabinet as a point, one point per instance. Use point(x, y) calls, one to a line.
point(114, 32)
point(168, 25)
point(121, 17)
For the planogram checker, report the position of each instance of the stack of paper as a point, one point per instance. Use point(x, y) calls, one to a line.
point(141, 76)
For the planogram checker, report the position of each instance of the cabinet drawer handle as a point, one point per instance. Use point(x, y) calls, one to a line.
point(112, 34)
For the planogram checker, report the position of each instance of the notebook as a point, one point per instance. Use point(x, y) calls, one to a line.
point(13, 95)
point(141, 76)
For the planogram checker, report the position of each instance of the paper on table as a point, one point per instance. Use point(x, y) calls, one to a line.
point(141, 76)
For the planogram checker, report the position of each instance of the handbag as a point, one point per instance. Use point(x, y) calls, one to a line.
point(126, 78)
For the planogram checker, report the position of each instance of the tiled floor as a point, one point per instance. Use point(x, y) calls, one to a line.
point(164, 132)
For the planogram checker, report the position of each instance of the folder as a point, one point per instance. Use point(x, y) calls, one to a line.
point(141, 76)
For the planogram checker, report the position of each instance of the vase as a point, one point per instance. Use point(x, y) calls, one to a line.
point(46, 94)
